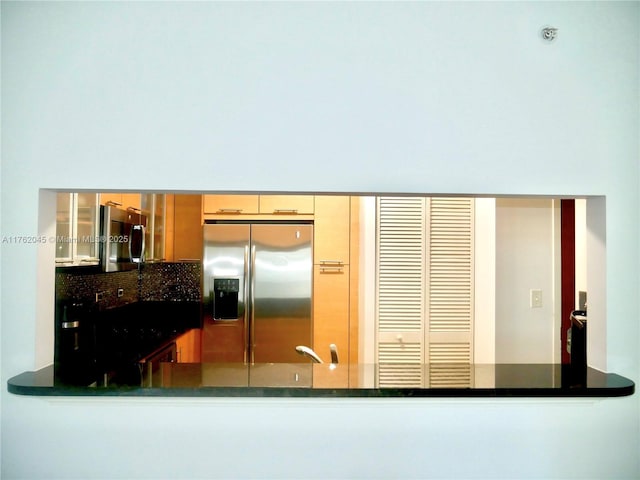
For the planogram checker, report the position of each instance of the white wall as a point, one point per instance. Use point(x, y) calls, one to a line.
point(597, 238)
point(413, 97)
point(484, 284)
point(525, 260)
point(367, 287)
point(581, 247)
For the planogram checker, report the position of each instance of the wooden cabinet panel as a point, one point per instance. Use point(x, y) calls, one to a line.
point(131, 200)
point(121, 200)
point(238, 204)
point(331, 312)
point(223, 342)
point(291, 204)
point(187, 244)
point(111, 199)
point(169, 226)
point(332, 229)
point(325, 376)
point(188, 346)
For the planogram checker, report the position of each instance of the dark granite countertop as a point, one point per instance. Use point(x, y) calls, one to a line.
point(326, 380)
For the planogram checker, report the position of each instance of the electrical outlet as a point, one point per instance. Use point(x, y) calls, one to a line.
point(120, 292)
point(99, 296)
point(536, 299)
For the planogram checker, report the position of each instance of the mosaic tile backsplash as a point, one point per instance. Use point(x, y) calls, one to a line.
point(171, 281)
point(154, 282)
point(85, 287)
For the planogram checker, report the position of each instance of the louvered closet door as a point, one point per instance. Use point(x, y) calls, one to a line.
point(425, 291)
point(400, 291)
point(450, 295)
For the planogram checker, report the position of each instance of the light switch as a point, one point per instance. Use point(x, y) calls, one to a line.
point(582, 300)
point(536, 298)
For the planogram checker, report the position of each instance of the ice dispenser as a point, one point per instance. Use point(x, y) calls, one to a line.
point(225, 298)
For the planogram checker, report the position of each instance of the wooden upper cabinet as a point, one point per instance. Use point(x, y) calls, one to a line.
point(111, 199)
point(257, 204)
point(187, 243)
point(131, 200)
point(287, 204)
point(232, 204)
point(332, 229)
point(169, 226)
point(121, 200)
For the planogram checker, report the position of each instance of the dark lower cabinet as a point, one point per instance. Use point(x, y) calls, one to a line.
point(119, 347)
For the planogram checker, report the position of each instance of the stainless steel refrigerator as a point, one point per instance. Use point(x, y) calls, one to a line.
point(257, 286)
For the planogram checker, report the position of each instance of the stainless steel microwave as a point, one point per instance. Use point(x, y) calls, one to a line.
point(121, 239)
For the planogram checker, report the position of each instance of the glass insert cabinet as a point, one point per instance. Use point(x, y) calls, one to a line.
point(77, 228)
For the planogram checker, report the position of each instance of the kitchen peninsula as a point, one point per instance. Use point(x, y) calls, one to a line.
point(235, 380)
point(152, 330)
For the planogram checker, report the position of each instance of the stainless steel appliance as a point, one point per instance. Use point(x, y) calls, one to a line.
point(122, 235)
point(257, 284)
point(75, 344)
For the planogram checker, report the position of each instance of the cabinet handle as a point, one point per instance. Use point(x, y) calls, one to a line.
point(245, 314)
point(331, 269)
point(133, 209)
point(252, 300)
point(331, 262)
point(230, 210)
point(113, 204)
point(285, 210)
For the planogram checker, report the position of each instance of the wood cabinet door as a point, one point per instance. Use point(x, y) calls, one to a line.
point(331, 312)
point(326, 376)
point(223, 342)
point(232, 204)
point(188, 346)
point(121, 200)
point(286, 204)
point(331, 229)
point(131, 200)
point(187, 242)
point(169, 226)
point(111, 199)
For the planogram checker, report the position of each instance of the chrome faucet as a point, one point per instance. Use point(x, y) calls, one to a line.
point(334, 353)
point(306, 351)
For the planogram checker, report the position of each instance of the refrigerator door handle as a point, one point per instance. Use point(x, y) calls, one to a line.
point(245, 299)
point(252, 296)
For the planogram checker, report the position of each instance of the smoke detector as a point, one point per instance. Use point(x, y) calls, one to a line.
point(549, 33)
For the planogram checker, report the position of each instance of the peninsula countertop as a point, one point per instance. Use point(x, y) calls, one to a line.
point(345, 380)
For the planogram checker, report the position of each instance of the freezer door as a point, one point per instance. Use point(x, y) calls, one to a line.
point(282, 265)
point(225, 293)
